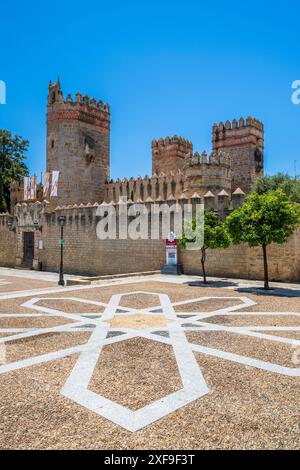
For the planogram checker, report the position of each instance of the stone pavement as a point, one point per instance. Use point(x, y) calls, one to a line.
point(148, 362)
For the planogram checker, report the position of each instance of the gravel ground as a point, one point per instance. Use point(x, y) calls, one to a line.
point(42, 344)
point(70, 305)
point(20, 283)
point(143, 380)
point(255, 320)
point(246, 408)
point(44, 322)
point(255, 348)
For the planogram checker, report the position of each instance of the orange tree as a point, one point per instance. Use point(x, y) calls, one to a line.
point(214, 234)
point(263, 219)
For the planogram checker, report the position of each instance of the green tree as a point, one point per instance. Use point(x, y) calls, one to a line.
point(264, 219)
point(290, 186)
point(215, 236)
point(12, 166)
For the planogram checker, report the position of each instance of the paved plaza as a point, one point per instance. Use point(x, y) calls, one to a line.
point(148, 362)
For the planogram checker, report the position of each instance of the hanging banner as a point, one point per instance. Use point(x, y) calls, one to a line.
point(26, 188)
point(54, 184)
point(46, 184)
point(33, 187)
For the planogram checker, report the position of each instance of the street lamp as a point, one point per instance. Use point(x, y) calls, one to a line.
point(62, 220)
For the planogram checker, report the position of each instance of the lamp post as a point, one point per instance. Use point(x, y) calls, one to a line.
point(62, 220)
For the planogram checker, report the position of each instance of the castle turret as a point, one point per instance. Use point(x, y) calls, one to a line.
point(207, 173)
point(243, 141)
point(170, 154)
point(78, 140)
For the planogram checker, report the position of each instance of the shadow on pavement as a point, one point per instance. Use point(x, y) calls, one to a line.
point(276, 291)
point(212, 284)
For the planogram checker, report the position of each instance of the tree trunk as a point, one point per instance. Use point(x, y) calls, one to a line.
point(203, 258)
point(266, 271)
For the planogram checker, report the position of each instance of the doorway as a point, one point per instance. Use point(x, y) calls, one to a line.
point(28, 247)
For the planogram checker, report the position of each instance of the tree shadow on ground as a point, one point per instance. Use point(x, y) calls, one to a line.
point(211, 284)
point(276, 291)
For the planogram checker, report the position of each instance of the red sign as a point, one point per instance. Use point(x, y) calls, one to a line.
point(169, 243)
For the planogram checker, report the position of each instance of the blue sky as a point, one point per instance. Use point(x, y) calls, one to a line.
point(165, 67)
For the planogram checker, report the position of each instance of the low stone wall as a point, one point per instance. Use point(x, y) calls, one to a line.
point(7, 243)
point(245, 262)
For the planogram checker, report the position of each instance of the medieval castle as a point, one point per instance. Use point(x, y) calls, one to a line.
point(78, 147)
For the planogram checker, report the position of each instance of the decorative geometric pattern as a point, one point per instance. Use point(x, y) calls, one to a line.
point(161, 324)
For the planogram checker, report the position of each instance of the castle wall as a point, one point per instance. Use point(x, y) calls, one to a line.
point(7, 242)
point(84, 253)
point(244, 262)
point(157, 187)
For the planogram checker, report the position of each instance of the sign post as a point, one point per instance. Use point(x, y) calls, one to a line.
point(172, 266)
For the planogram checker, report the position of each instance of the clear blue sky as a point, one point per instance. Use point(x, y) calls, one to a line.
point(166, 67)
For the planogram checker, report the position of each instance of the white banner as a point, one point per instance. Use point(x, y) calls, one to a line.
point(33, 187)
point(46, 184)
point(54, 183)
point(26, 188)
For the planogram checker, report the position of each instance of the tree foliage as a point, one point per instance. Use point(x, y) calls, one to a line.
point(290, 186)
point(215, 236)
point(263, 219)
point(12, 165)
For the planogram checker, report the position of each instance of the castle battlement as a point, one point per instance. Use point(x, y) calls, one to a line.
point(238, 133)
point(140, 189)
point(205, 172)
point(163, 142)
point(82, 108)
point(234, 124)
point(214, 158)
point(169, 154)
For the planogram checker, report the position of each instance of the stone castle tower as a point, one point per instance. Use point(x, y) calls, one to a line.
point(243, 141)
point(78, 140)
point(170, 154)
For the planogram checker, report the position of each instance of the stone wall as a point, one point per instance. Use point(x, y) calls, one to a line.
point(245, 262)
point(84, 253)
point(7, 242)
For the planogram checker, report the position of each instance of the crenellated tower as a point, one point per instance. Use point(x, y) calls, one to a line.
point(170, 154)
point(78, 141)
point(205, 173)
point(243, 141)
